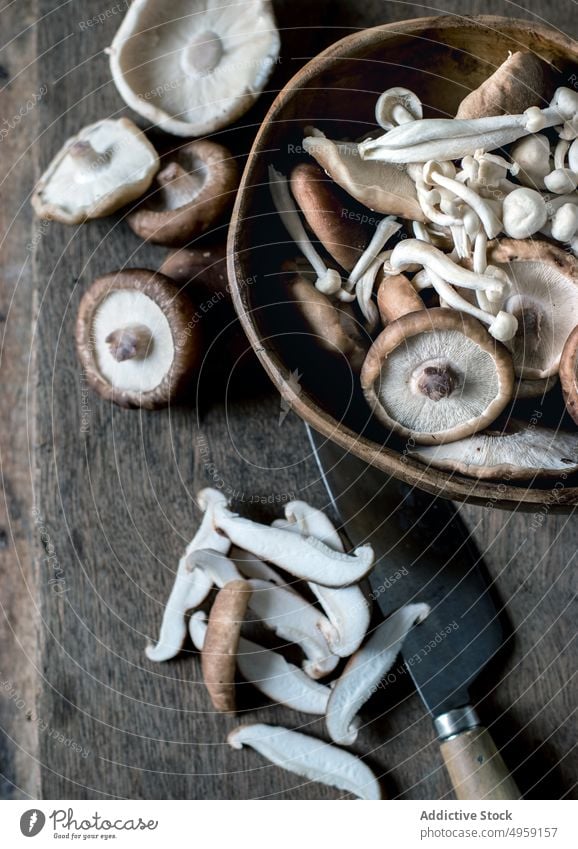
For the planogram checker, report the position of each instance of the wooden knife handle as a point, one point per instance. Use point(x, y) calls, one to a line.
point(476, 768)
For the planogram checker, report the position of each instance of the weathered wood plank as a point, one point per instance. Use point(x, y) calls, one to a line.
point(115, 489)
point(21, 90)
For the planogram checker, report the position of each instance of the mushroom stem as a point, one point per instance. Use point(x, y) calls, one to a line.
point(436, 381)
point(219, 655)
point(492, 224)
point(178, 185)
point(131, 342)
point(386, 228)
point(86, 156)
point(328, 279)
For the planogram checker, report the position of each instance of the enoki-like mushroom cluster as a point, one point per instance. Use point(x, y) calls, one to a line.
point(458, 185)
point(254, 568)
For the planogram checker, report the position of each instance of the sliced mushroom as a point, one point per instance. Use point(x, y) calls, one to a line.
point(383, 188)
point(569, 373)
point(192, 192)
point(190, 589)
point(347, 609)
point(305, 558)
point(522, 80)
point(104, 167)
point(221, 643)
point(270, 673)
point(253, 567)
point(544, 299)
point(332, 324)
point(134, 338)
point(309, 758)
point(524, 453)
point(217, 566)
point(324, 206)
point(193, 68)
point(364, 671)
point(292, 618)
point(437, 376)
point(396, 297)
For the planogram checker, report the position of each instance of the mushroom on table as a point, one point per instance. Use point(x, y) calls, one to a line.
point(135, 339)
point(191, 193)
point(105, 166)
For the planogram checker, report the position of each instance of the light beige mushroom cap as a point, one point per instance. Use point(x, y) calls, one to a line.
point(105, 166)
point(522, 454)
point(544, 299)
point(380, 186)
point(194, 67)
point(436, 376)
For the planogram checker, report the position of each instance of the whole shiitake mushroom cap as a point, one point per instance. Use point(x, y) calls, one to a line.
point(437, 376)
point(193, 190)
point(569, 373)
point(135, 339)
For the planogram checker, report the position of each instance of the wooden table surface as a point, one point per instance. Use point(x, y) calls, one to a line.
point(98, 502)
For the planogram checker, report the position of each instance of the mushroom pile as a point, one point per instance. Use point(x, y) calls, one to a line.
point(466, 290)
point(292, 580)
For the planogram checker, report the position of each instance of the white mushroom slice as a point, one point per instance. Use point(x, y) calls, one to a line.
point(524, 212)
point(190, 588)
point(308, 757)
point(104, 167)
point(544, 299)
point(347, 609)
point(328, 279)
point(268, 671)
point(292, 618)
point(526, 453)
point(366, 669)
point(305, 558)
point(444, 139)
point(253, 567)
point(194, 67)
point(436, 376)
point(384, 188)
point(219, 568)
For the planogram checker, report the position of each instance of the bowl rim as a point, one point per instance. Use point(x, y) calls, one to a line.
point(435, 481)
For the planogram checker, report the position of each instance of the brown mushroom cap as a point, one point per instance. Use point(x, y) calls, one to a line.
point(206, 266)
point(121, 364)
point(326, 211)
point(333, 325)
point(569, 374)
point(193, 190)
point(526, 388)
point(437, 376)
point(396, 297)
point(219, 655)
point(544, 299)
point(521, 81)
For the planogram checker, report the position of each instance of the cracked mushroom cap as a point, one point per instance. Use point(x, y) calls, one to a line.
point(194, 67)
point(437, 376)
point(522, 453)
point(135, 339)
point(544, 300)
point(569, 373)
point(193, 190)
point(105, 166)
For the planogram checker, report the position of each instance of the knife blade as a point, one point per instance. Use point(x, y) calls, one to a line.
point(424, 553)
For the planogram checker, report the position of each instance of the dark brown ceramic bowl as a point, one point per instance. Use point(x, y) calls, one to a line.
point(442, 59)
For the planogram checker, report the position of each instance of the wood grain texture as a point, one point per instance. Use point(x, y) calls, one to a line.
point(115, 490)
point(476, 768)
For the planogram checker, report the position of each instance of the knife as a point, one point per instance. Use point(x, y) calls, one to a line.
point(424, 553)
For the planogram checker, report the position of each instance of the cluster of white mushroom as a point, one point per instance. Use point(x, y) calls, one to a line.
point(434, 377)
point(240, 558)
